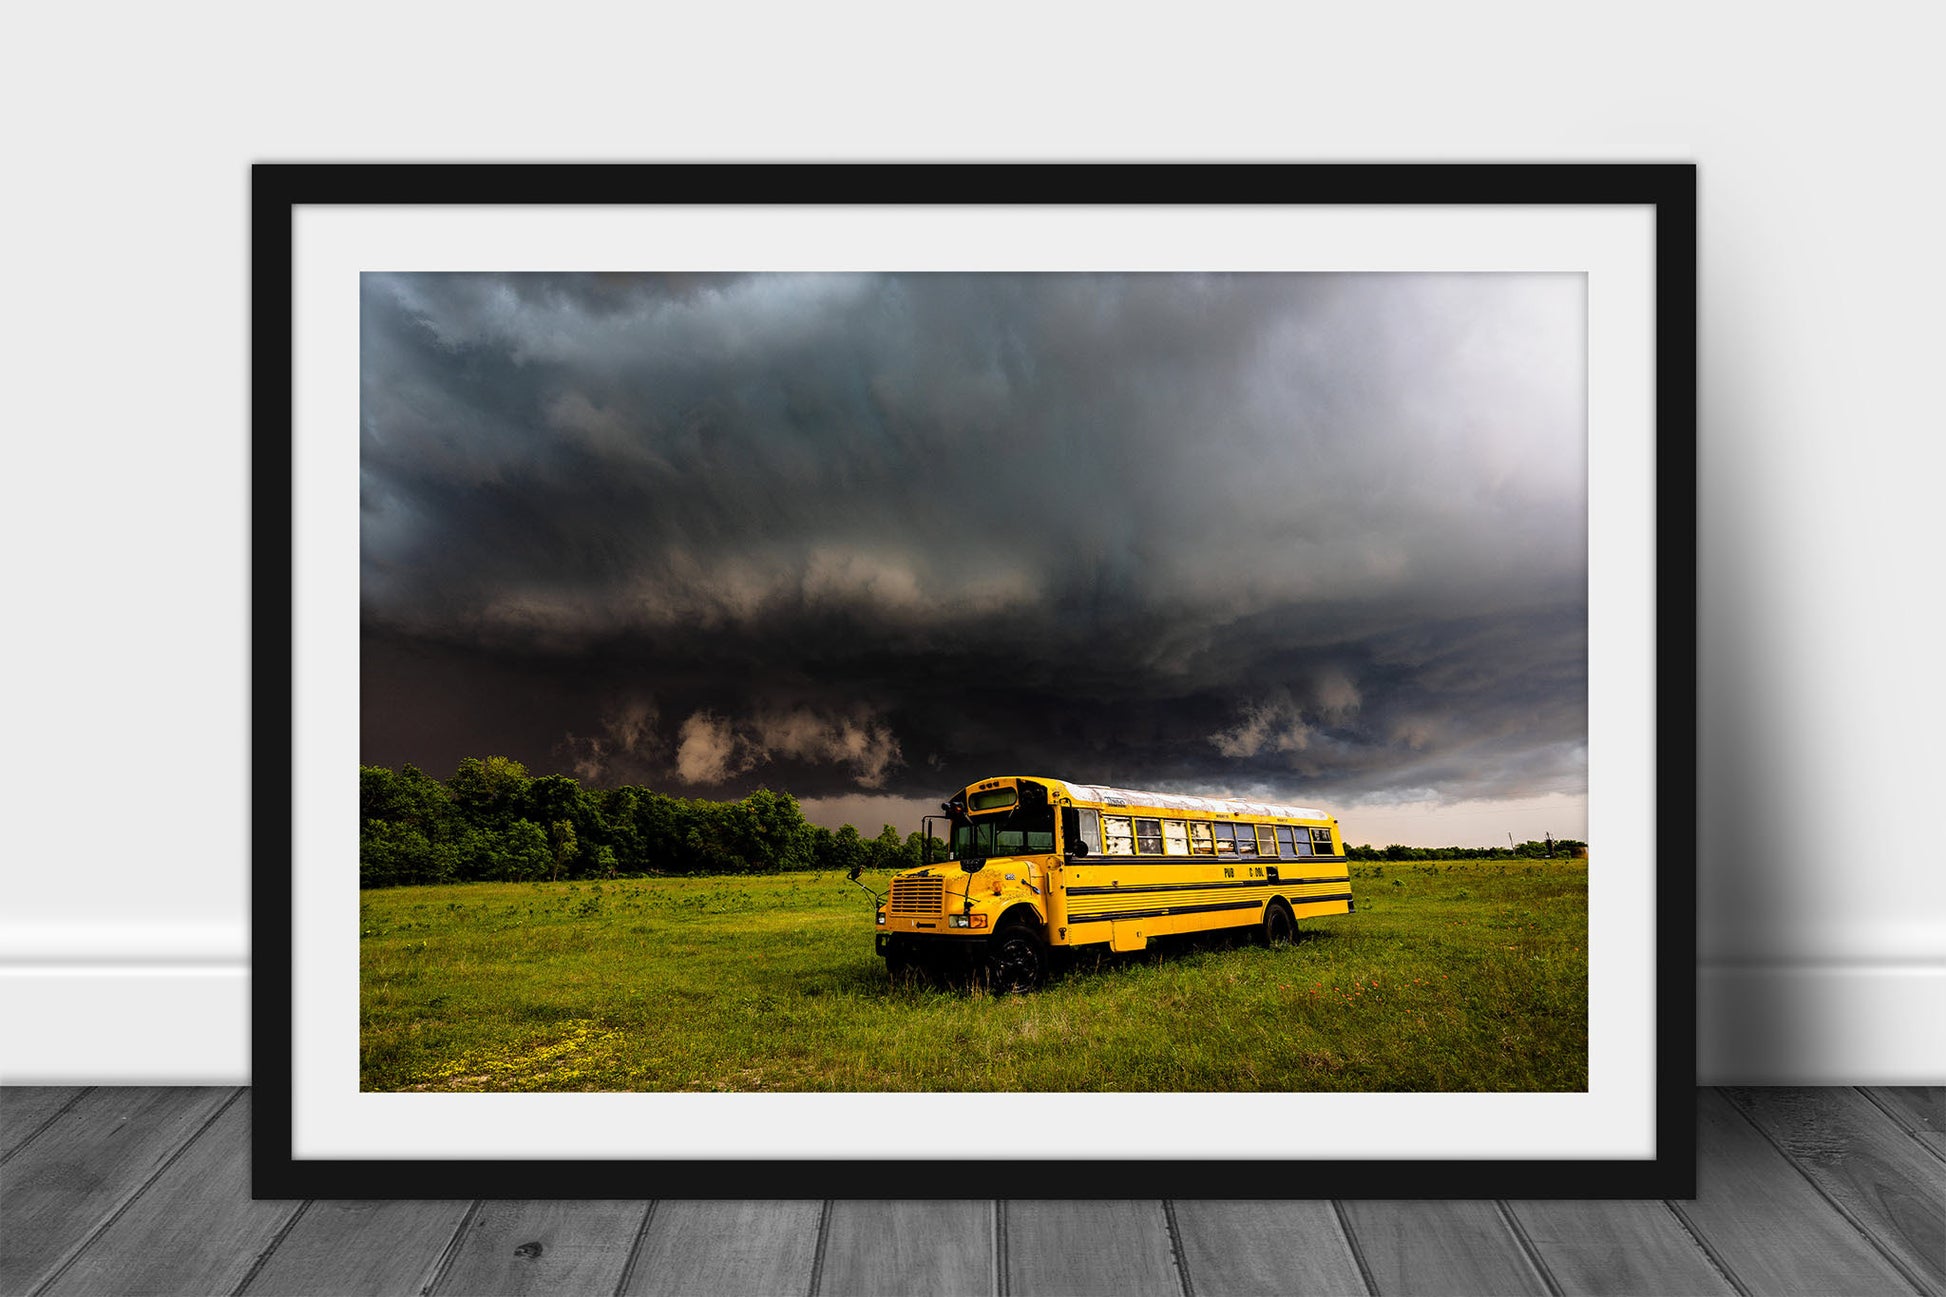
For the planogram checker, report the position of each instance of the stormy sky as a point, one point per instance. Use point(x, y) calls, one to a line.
point(867, 538)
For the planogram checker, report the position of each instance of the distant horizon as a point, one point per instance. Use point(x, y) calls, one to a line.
point(1411, 824)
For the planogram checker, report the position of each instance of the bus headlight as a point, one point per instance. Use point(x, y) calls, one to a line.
point(881, 918)
point(966, 920)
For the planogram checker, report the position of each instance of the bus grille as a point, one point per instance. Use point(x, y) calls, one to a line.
point(918, 896)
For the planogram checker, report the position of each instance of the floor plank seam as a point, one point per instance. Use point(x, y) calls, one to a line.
point(450, 1253)
point(120, 1209)
point(1710, 1254)
point(1357, 1252)
point(1525, 1246)
point(1918, 1284)
point(35, 1134)
point(276, 1241)
point(1912, 1131)
point(1175, 1247)
point(635, 1248)
point(817, 1257)
point(1002, 1285)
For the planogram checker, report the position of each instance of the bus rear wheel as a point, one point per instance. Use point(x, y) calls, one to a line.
point(1016, 961)
point(1280, 928)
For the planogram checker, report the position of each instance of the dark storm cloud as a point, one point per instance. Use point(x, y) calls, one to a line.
point(1310, 535)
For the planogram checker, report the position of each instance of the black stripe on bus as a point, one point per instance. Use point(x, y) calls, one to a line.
point(1155, 914)
point(1075, 920)
point(1202, 887)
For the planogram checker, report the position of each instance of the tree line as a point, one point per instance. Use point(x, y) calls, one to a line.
point(492, 821)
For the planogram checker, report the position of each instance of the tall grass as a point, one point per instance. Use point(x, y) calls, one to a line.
point(1450, 976)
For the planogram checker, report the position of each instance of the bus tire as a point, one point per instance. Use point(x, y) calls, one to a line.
point(1016, 961)
point(1280, 926)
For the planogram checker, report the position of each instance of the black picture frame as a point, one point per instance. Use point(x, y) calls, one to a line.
point(279, 190)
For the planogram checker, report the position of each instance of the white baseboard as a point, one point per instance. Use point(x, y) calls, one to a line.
point(1821, 1024)
point(125, 1024)
point(189, 1024)
point(123, 941)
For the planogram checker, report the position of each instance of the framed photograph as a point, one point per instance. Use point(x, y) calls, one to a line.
point(919, 681)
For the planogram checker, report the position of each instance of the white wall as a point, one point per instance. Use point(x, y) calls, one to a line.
point(125, 518)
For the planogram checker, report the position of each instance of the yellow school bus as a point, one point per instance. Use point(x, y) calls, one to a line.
point(1038, 867)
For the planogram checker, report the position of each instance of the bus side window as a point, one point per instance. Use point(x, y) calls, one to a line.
point(1302, 843)
point(1266, 840)
point(1175, 841)
point(1117, 835)
point(1246, 840)
point(1148, 837)
point(1091, 830)
point(1321, 841)
point(1226, 839)
point(1200, 843)
point(1284, 847)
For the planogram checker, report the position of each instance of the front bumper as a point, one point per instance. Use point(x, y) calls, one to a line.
point(941, 945)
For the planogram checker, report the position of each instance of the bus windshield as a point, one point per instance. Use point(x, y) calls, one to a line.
point(1028, 829)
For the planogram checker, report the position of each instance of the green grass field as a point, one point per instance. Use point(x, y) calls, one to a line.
point(1451, 976)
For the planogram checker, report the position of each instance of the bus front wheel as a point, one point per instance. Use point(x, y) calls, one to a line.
point(1016, 961)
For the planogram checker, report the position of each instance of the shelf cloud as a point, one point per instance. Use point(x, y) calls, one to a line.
point(1316, 536)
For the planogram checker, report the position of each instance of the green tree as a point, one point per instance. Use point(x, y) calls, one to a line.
point(775, 832)
point(843, 850)
point(408, 797)
point(491, 792)
point(561, 838)
point(390, 855)
point(886, 851)
point(523, 852)
point(617, 810)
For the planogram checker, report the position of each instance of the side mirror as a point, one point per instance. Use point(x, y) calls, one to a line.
point(972, 866)
point(1077, 849)
point(857, 868)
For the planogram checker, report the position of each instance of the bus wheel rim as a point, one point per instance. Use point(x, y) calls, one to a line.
point(1013, 966)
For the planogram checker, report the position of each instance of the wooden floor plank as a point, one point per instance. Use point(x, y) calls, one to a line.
point(194, 1231)
point(1921, 1109)
point(1618, 1247)
point(1777, 1234)
point(1266, 1249)
point(1106, 1248)
point(753, 1249)
point(547, 1249)
point(88, 1163)
point(24, 1109)
point(143, 1190)
point(1888, 1185)
point(895, 1249)
point(355, 1247)
point(1440, 1248)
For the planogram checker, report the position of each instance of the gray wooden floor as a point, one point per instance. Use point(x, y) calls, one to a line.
point(143, 1190)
